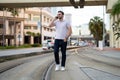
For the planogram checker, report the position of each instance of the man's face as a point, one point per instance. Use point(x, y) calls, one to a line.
point(60, 16)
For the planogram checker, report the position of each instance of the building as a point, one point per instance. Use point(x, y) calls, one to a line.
point(26, 27)
point(113, 42)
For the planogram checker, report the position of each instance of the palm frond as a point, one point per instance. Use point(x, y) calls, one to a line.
point(96, 27)
point(118, 35)
point(116, 8)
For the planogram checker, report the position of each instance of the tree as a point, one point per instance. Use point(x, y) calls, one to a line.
point(33, 34)
point(14, 11)
point(116, 8)
point(116, 11)
point(96, 28)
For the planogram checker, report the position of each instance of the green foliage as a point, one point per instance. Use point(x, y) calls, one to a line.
point(116, 8)
point(25, 46)
point(14, 11)
point(96, 28)
point(22, 46)
point(32, 33)
point(118, 35)
point(29, 33)
point(36, 45)
point(116, 11)
point(38, 34)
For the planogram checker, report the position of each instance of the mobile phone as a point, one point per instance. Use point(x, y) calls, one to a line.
point(56, 17)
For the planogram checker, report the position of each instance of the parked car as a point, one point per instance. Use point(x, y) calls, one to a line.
point(48, 44)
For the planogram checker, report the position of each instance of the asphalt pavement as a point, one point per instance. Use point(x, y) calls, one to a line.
point(90, 64)
point(86, 63)
point(19, 51)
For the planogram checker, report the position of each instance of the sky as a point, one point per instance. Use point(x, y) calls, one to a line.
point(82, 16)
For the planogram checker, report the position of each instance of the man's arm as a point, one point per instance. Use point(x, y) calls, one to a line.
point(52, 23)
point(69, 32)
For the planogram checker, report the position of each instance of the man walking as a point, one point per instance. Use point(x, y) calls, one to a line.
point(63, 31)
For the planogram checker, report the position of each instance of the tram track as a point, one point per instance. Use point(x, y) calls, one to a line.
point(89, 63)
point(43, 71)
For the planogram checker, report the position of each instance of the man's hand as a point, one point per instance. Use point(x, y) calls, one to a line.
point(52, 23)
point(65, 40)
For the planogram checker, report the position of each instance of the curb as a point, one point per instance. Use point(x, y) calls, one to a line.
point(18, 56)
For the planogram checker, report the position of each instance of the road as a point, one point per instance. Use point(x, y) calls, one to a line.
point(19, 51)
point(82, 64)
point(10, 52)
point(87, 64)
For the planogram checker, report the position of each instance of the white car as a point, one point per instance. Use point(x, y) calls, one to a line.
point(48, 44)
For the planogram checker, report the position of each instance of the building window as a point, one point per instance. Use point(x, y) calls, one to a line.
point(50, 30)
point(27, 27)
point(47, 29)
point(48, 20)
point(1, 26)
point(36, 18)
point(44, 28)
point(35, 27)
point(44, 18)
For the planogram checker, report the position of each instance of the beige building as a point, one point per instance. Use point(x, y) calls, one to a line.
point(113, 42)
point(25, 28)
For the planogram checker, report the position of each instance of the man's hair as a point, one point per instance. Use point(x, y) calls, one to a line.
point(61, 12)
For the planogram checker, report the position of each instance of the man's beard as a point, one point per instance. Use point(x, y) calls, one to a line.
point(60, 17)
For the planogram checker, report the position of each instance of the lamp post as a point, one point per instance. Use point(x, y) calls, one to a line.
point(3, 42)
point(41, 23)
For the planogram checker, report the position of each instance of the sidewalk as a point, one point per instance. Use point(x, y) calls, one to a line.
point(83, 64)
point(87, 65)
point(111, 52)
point(19, 51)
point(25, 51)
point(109, 48)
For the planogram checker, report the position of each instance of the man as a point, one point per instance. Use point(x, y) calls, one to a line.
point(63, 31)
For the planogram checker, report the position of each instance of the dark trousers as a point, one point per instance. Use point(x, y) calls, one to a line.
point(59, 43)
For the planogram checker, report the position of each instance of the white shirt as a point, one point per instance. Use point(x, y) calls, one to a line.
point(61, 29)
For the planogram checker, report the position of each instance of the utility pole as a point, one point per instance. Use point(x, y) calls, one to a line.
point(41, 23)
point(3, 42)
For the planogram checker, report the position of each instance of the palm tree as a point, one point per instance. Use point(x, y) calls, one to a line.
point(116, 11)
point(34, 34)
point(14, 11)
point(96, 28)
point(116, 8)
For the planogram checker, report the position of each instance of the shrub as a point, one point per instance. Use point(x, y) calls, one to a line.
point(35, 45)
